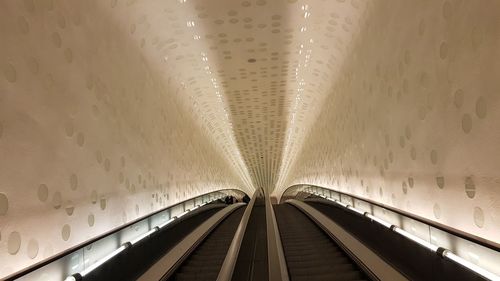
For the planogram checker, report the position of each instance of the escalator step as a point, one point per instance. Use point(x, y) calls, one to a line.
point(311, 255)
point(205, 261)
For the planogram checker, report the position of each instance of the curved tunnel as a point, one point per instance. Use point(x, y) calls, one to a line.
point(112, 110)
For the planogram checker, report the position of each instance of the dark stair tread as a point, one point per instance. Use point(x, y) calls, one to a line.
point(205, 261)
point(310, 254)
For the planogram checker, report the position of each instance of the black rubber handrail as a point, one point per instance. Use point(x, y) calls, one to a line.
point(464, 235)
point(77, 247)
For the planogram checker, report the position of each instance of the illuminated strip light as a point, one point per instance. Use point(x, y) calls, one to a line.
point(355, 210)
point(186, 211)
point(469, 265)
point(335, 201)
point(381, 221)
point(200, 205)
point(105, 259)
point(167, 222)
point(416, 239)
point(183, 213)
point(140, 237)
point(339, 203)
point(366, 214)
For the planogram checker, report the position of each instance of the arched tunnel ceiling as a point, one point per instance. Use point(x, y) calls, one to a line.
point(252, 70)
point(110, 110)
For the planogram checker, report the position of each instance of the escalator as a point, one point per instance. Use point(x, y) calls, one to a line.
point(252, 263)
point(196, 247)
point(311, 255)
point(205, 261)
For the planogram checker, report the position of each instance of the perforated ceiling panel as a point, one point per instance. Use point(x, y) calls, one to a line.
point(254, 71)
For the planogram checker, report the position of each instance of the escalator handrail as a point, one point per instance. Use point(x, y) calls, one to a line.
point(276, 258)
point(227, 269)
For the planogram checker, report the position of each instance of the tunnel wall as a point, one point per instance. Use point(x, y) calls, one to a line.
point(412, 122)
point(91, 137)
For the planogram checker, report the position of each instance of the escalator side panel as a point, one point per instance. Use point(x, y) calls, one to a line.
point(412, 260)
point(134, 261)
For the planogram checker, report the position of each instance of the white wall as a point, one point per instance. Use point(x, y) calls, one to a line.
point(413, 120)
point(91, 135)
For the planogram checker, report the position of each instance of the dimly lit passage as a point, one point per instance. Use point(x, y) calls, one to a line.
point(249, 140)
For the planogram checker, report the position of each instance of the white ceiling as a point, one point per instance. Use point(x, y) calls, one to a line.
point(254, 72)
